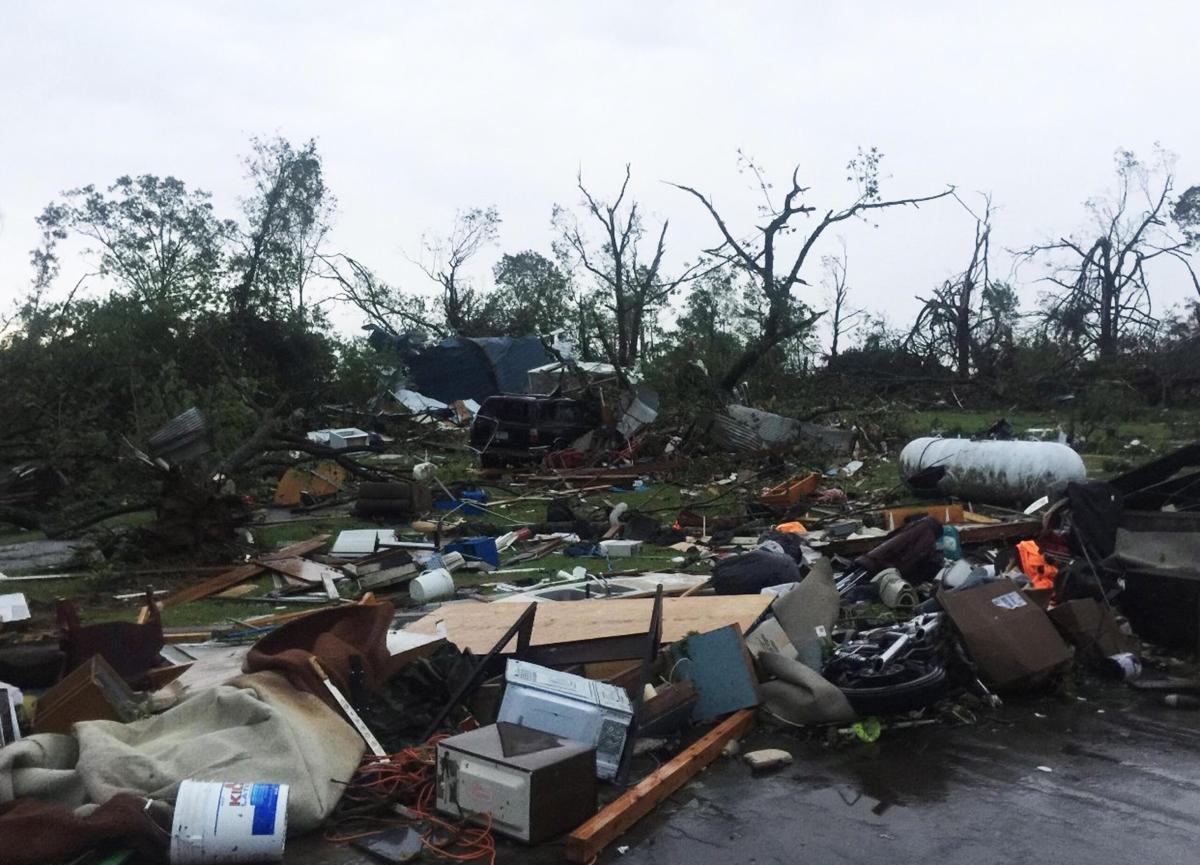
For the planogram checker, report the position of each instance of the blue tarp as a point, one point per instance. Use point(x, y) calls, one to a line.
point(475, 367)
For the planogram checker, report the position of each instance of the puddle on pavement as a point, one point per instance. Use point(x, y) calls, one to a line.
point(840, 797)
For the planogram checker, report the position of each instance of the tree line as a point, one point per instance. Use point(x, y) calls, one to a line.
point(182, 305)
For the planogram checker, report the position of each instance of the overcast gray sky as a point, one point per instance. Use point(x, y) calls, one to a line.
point(420, 109)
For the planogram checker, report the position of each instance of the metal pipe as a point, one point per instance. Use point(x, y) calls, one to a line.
point(891, 651)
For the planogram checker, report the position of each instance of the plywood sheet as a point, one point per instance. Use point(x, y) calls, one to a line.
point(478, 626)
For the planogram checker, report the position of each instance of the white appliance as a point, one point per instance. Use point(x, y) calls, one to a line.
point(570, 706)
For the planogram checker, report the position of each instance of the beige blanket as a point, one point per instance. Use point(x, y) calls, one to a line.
point(255, 728)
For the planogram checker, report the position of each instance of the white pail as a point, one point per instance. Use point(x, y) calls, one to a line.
point(432, 586)
point(228, 821)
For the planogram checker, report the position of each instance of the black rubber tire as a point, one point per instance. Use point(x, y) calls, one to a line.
point(923, 690)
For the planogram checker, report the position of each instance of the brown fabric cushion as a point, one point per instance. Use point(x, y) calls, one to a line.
point(331, 635)
point(40, 833)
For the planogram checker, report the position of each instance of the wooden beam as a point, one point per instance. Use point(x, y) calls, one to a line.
point(240, 574)
point(1012, 530)
point(586, 842)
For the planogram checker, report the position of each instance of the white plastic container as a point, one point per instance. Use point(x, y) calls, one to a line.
point(432, 586)
point(620, 549)
point(229, 821)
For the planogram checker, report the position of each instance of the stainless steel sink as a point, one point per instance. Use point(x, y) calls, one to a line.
point(577, 593)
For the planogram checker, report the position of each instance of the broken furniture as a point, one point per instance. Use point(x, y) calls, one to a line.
point(790, 492)
point(1010, 639)
point(402, 499)
point(721, 670)
point(1158, 553)
point(589, 630)
point(132, 649)
point(93, 691)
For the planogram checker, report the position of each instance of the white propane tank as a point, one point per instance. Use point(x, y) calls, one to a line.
point(1001, 472)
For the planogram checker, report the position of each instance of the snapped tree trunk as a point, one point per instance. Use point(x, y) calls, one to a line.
point(962, 332)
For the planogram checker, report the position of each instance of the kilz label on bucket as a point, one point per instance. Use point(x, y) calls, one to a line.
point(265, 799)
point(231, 821)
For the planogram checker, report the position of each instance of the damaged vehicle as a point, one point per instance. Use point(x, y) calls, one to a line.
point(521, 429)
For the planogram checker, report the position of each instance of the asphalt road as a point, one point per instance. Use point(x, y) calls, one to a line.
point(1108, 776)
point(1123, 785)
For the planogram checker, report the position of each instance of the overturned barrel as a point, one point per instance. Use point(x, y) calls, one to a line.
point(1001, 472)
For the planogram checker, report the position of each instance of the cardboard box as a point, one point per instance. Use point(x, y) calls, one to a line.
point(1010, 639)
point(1091, 627)
point(93, 691)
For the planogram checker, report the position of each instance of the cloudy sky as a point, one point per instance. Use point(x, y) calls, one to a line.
point(420, 109)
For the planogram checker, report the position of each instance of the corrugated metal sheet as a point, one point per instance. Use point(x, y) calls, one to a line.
point(182, 438)
point(729, 433)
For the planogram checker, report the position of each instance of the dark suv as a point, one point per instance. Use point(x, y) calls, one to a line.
point(511, 429)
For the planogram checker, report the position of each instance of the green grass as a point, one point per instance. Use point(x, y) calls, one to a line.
point(878, 480)
point(20, 536)
point(1159, 430)
point(283, 534)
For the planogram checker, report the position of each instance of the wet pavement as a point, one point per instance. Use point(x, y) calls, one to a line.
point(1106, 776)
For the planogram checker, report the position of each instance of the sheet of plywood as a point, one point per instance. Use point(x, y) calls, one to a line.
point(322, 480)
point(478, 626)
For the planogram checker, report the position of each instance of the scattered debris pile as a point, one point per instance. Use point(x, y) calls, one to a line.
point(549, 645)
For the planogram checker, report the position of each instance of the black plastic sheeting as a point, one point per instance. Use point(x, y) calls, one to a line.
point(475, 367)
point(1096, 509)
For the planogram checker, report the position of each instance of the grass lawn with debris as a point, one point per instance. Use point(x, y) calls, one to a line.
point(513, 503)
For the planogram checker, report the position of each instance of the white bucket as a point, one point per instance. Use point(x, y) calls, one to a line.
point(229, 821)
point(432, 586)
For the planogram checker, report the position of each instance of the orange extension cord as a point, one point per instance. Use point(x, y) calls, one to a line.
point(407, 778)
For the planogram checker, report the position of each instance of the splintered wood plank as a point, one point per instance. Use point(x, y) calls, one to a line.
point(586, 842)
point(478, 626)
point(241, 573)
point(304, 570)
